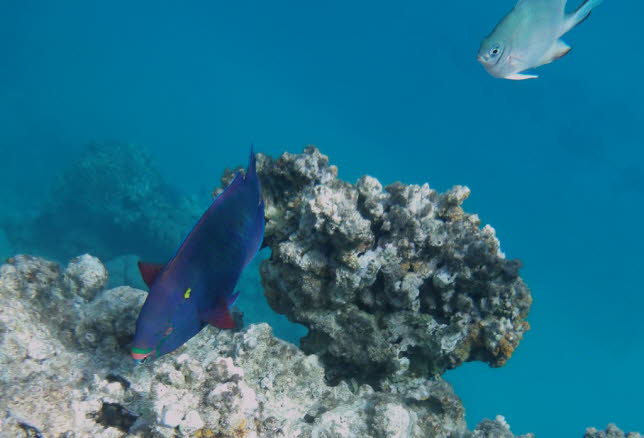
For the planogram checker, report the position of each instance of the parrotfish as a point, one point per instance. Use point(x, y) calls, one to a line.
point(530, 36)
point(197, 286)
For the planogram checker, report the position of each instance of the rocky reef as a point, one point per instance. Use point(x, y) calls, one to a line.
point(65, 373)
point(395, 281)
point(612, 431)
point(110, 201)
point(395, 285)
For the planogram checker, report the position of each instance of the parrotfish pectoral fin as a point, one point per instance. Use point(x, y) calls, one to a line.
point(558, 49)
point(582, 12)
point(149, 271)
point(521, 77)
point(232, 299)
point(258, 231)
point(219, 317)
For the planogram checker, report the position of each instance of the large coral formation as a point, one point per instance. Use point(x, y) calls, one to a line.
point(390, 282)
point(65, 372)
point(110, 201)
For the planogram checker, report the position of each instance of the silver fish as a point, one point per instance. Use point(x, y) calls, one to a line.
point(529, 36)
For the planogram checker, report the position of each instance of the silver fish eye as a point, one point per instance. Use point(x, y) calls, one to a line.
point(495, 51)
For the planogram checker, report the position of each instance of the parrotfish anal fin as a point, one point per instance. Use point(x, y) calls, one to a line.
point(149, 271)
point(558, 49)
point(232, 299)
point(521, 77)
point(219, 317)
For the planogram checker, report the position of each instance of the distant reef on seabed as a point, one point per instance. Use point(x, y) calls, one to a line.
point(395, 284)
point(111, 199)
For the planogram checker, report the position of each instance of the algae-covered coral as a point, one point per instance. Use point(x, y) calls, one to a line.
point(390, 282)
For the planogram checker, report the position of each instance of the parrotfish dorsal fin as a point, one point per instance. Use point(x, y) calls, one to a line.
point(219, 317)
point(149, 271)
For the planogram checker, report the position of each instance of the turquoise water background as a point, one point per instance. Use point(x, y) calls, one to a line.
point(390, 89)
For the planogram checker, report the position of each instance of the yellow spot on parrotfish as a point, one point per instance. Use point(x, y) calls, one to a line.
point(186, 294)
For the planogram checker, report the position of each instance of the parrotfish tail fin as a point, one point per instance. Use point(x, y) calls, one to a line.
point(149, 271)
point(582, 12)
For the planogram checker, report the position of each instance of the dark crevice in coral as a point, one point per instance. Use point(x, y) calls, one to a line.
point(115, 415)
point(116, 378)
point(361, 207)
point(30, 431)
point(378, 287)
point(3, 330)
point(125, 340)
point(365, 307)
point(431, 302)
point(433, 404)
point(375, 224)
point(483, 355)
point(314, 340)
point(419, 364)
point(345, 371)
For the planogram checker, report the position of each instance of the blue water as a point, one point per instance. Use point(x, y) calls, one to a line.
point(392, 90)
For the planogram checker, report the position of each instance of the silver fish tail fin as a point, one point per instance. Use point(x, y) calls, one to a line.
point(582, 12)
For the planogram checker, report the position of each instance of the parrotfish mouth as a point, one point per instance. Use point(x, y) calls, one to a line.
point(140, 355)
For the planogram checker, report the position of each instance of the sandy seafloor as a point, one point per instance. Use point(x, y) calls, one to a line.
point(391, 90)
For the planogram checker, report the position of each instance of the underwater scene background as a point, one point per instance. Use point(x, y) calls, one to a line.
point(389, 90)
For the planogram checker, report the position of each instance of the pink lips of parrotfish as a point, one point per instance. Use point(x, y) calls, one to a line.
point(140, 355)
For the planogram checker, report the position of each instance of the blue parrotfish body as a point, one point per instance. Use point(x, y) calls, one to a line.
point(196, 287)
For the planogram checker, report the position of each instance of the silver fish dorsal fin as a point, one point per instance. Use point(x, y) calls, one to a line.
point(555, 5)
